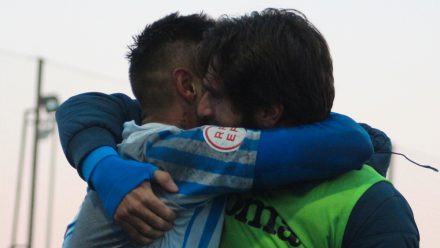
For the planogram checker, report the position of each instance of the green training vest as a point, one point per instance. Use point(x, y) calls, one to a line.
point(316, 218)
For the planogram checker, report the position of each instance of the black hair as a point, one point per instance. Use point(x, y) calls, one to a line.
point(162, 46)
point(271, 57)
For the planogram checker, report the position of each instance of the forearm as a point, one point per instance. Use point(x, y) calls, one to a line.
point(310, 152)
point(91, 120)
point(84, 142)
point(284, 156)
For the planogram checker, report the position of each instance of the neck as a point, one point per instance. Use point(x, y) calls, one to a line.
point(171, 116)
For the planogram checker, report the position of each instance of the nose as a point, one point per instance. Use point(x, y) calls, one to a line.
point(204, 109)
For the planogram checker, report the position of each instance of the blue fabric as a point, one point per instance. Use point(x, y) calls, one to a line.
point(211, 223)
point(101, 116)
point(284, 156)
point(190, 225)
point(96, 115)
point(381, 218)
point(191, 188)
point(382, 149)
point(114, 177)
point(83, 144)
point(189, 160)
point(318, 151)
point(69, 232)
point(93, 159)
point(203, 163)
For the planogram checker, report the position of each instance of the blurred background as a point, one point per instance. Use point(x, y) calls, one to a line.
point(386, 62)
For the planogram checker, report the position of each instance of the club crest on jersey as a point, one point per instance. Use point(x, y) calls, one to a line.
point(224, 139)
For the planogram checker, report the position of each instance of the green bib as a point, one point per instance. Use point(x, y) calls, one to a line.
point(316, 218)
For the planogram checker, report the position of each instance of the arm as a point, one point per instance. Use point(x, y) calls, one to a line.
point(101, 116)
point(299, 153)
point(311, 152)
point(96, 115)
point(93, 122)
point(266, 159)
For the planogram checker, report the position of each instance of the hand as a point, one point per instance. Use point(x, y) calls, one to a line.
point(142, 215)
point(381, 158)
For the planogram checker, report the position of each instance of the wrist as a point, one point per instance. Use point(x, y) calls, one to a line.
point(114, 177)
point(93, 159)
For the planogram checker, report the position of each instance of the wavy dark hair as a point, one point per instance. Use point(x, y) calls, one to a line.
point(275, 56)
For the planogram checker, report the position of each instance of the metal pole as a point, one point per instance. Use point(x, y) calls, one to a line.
point(52, 177)
point(22, 153)
point(35, 152)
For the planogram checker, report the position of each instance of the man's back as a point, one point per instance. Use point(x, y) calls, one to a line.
point(198, 204)
point(358, 209)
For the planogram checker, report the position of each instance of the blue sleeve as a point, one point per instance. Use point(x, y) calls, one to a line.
point(311, 152)
point(381, 218)
point(113, 177)
point(381, 159)
point(96, 115)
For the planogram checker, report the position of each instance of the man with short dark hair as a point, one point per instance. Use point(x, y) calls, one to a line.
point(269, 112)
point(164, 48)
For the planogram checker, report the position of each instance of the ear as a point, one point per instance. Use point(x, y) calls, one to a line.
point(268, 117)
point(184, 81)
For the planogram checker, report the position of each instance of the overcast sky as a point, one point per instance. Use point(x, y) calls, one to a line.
point(386, 62)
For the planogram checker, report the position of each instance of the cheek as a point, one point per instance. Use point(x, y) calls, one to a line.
point(204, 102)
point(227, 116)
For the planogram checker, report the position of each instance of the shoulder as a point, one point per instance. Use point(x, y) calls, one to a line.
point(381, 217)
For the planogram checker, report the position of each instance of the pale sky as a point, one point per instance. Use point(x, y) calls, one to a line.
point(386, 60)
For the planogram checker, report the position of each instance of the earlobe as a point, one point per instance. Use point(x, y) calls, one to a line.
point(268, 117)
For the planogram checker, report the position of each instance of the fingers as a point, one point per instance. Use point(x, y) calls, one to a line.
point(143, 228)
point(143, 216)
point(155, 205)
point(165, 181)
point(140, 216)
point(137, 229)
point(154, 220)
point(134, 234)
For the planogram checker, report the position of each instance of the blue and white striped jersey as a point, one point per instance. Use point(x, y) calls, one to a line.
point(209, 161)
point(205, 162)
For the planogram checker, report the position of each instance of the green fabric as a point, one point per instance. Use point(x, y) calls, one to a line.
point(316, 218)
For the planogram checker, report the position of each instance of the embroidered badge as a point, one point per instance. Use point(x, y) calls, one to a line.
point(224, 139)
